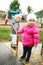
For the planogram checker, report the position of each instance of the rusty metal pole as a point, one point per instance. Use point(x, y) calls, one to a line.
point(17, 46)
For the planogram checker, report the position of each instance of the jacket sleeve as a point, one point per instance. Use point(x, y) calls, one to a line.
point(36, 35)
point(20, 31)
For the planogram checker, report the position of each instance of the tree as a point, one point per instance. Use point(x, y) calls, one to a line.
point(39, 13)
point(14, 5)
point(29, 9)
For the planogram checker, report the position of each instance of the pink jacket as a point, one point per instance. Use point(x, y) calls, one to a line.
point(30, 35)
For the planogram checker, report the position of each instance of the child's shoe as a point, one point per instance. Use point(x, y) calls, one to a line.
point(26, 61)
point(22, 58)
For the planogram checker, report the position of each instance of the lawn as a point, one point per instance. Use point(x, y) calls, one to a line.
point(41, 35)
point(5, 34)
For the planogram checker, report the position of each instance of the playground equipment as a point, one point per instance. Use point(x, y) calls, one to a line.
point(11, 12)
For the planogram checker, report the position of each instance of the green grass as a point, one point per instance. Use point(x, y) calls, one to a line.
point(41, 36)
point(4, 33)
point(19, 37)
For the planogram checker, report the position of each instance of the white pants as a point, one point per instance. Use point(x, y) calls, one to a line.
point(14, 38)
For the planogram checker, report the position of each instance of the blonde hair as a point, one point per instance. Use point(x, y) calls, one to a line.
point(18, 15)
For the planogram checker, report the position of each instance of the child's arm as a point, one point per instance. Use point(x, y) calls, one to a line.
point(36, 36)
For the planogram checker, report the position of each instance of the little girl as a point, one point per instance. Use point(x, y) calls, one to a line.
point(16, 25)
point(30, 36)
point(14, 21)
